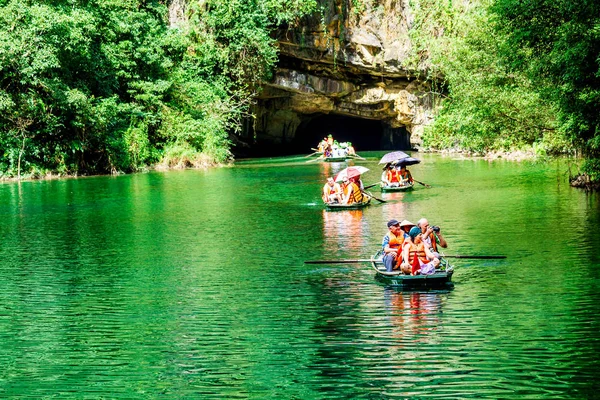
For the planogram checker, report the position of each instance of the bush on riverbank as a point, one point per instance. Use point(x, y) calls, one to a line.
point(516, 76)
point(109, 87)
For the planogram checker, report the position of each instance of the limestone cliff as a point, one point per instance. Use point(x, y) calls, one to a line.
point(349, 60)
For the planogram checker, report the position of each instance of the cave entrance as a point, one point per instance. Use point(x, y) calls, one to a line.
point(365, 134)
point(280, 134)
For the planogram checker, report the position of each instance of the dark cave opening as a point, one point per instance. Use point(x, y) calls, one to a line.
point(364, 134)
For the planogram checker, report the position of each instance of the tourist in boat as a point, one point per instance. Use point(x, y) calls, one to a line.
point(322, 147)
point(351, 192)
point(358, 182)
point(350, 150)
point(392, 244)
point(332, 192)
point(336, 151)
point(415, 253)
point(405, 226)
point(330, 140)
point(393, 176)
point(405, 176)
point(384, 175)
point(432, 235)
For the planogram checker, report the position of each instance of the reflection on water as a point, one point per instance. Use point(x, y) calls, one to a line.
point(414, 314)
point(345, 228)
point(191, 284)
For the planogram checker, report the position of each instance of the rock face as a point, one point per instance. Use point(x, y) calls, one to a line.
point(346, 62)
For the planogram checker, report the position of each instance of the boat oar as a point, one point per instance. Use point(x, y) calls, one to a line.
point(370, 186)
point(310, 155)
point(337, 261)
point(357, 156)
point(476, 257)
point(370, 195)
point(424, 184)
point(316, 159)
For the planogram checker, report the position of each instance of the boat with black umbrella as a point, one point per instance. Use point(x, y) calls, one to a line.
point(395, 177)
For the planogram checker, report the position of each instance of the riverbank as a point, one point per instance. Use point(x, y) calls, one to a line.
point(180, 164)
point(578, 180)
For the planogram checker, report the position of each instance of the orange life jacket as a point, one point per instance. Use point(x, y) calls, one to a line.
point(416, 254)
point(357, 195)
point(396, 242)
point(393, 176)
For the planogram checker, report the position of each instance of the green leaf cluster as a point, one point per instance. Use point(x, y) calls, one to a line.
point(512, 74)
point(486, 106)
point(556, 44)
point(99, 86)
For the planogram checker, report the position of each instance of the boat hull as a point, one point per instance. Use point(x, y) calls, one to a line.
point(442, 279)
point(404, 188)
point(353, 206)
point(336, 159)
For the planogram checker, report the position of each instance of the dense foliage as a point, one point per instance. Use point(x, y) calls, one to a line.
point(97, 86)
point(556, 44)
point(515, 74)
point(487, 106)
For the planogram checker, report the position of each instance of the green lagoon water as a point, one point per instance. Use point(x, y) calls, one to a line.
point(191, 284)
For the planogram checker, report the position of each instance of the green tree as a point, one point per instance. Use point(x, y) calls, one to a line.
point(485, 106)
point(106, 86)
point(557, 44)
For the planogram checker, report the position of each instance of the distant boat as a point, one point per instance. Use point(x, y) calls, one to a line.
point(352, 206)
point(442, 279)
point(323, 158)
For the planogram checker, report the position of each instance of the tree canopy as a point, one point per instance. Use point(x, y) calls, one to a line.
point(98, 86)
point(516, 74)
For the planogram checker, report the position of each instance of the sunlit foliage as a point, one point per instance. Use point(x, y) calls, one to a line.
point(486, 106)
point(513, 74)
point(109, 86)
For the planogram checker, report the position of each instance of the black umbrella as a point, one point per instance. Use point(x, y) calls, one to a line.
point(406, 161)
point(393, 156)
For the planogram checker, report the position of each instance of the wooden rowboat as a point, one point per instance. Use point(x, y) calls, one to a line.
point(353, 206)
point(440, 280)
point(404, 188)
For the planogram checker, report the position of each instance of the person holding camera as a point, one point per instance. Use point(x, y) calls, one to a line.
point(432, 235)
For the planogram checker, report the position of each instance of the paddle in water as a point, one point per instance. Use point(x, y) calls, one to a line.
point(424, 184)
point(336, 261)
point(476, 257)
point(370, 195)
point(370, 186)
